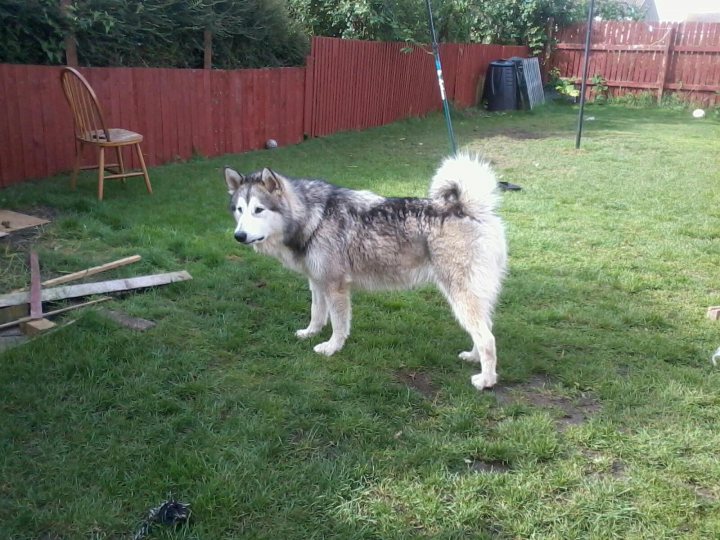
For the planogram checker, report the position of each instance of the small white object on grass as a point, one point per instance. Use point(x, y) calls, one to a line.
point(716, 357)
point(270, 143)
point(698, 113)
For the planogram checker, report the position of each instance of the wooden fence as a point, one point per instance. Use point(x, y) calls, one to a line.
point(354, 85)
point(647, 57)
point(346, 85)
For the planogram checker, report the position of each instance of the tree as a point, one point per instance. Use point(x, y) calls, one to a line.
point(521, 22)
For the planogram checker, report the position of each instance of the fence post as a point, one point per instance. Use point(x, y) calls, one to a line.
point(309, 95)
point(71, 58)
point(207, 49)
point(667, 52)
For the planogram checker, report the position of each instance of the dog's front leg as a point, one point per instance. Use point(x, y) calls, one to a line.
point(338, 303)
point(318, 313)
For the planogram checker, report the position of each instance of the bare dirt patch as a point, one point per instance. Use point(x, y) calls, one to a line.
point(601, 465)
point(518, 134)
point(538, 392)
point(487, 467)
point(420, 382)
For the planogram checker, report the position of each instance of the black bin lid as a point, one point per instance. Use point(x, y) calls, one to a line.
point(502, 63)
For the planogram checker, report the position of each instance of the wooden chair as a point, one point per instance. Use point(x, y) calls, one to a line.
point(90, 128)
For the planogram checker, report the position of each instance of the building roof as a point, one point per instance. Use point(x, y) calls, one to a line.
point(647, 7)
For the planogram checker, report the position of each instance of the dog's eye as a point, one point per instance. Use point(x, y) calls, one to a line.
point(239, 210)
point(259, 210)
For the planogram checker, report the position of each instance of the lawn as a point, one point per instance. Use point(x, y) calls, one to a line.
point(604, 423)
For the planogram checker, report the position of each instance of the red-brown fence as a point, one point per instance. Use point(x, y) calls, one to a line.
point(346, 85)
point(647, 57)
point(179, 112)
point(361, 84)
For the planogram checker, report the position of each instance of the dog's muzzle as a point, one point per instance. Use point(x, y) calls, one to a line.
point(242, 237)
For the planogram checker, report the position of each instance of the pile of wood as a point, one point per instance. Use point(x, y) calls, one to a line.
point(24, 308)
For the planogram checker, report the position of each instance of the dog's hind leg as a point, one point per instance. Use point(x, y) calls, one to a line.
point(474, 317)
point(318, 313)
point(488, 359)
point(337, 297)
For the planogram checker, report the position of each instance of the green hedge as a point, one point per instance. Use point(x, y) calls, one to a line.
point(153, 33)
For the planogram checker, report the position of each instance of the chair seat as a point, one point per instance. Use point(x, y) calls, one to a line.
point(118, 137)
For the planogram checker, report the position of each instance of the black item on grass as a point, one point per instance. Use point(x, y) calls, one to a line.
point(170, 513)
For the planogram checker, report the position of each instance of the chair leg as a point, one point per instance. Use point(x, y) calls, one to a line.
point(101, 173)
point(76, 168)
point(144, 168)
point(121, 165)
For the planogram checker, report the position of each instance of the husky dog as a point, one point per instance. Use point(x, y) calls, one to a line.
point(340, 238)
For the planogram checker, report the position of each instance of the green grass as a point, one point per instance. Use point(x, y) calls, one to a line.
point(605, 425)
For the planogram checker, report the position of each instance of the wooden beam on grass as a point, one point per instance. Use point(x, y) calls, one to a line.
point(33, 327)
point(37, 322)
point(22, 320)
point(35, 287)
point(101, 287)
point(91, 271)
point(14, 221)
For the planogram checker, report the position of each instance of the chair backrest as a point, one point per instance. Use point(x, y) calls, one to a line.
point(87, 114)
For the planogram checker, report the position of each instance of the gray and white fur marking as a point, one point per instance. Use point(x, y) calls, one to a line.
point(341, 238)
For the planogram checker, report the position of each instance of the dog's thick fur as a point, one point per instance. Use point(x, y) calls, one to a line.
point(341, 238)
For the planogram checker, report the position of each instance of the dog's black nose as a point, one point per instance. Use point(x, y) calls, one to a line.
point(241, 236)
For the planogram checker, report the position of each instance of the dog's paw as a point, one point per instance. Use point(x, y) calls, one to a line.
point(469, 356)
point(306, 333)
point(328, 348)
point(482, 380)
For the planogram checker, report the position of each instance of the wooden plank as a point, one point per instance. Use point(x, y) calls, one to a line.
point(17, 151)
point(694, 87)
point(8, 158)
point(91, 271)
point(217, 99)
point(31, 126)
point(55, 312)
point(308, 101)
point(665, 64)
point(169, 115)
point(34, 327)
point(101, 287)
point(133, 323)
point(14, 221)
point(35, 287)
point(14, 312)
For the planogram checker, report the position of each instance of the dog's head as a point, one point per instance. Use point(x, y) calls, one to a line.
point(256, 203)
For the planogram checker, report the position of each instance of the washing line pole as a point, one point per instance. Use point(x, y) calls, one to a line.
point(441, 82)
point(586, 62)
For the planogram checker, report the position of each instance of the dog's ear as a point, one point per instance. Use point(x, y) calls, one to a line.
point(272, 182)
point(233, 179)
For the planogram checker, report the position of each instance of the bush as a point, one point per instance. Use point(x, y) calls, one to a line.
point(154, 33)
point(32, 31)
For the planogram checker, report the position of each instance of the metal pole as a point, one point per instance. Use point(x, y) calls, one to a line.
point(441, 82)
point(586, 63)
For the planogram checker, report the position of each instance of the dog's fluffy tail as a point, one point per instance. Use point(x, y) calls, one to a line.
point(467, 180)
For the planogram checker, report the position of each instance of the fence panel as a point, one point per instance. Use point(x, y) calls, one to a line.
point(647, 57)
